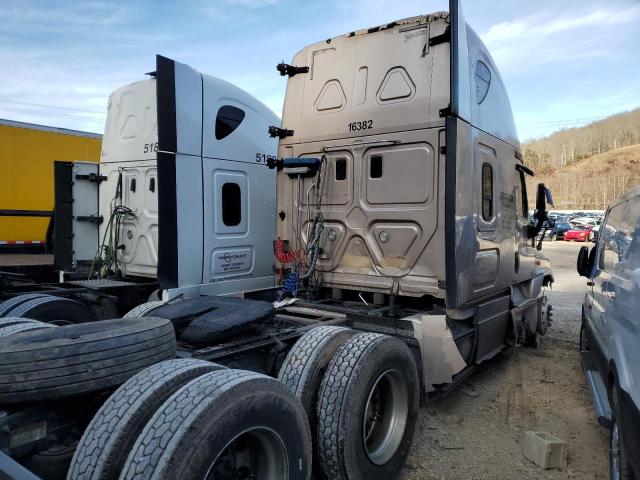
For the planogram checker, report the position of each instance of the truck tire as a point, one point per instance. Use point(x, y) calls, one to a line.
point(53, 363)
point(113, 430)
point(7, 321)
point(22, 327)
point(619, 464)
point(367, 408)
point(304, 367)
point(7, 305)
point(143, 309)
point(203, 429)
point(306, 362)
point(52, 309)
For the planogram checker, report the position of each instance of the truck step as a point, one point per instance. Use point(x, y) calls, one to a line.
point(597, 389)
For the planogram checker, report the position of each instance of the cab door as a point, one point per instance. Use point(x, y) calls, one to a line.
point(604, 285)
point(238, 199)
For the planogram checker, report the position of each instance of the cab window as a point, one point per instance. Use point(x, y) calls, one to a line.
point(612, 238)
point(630, 242)
point(522, 202)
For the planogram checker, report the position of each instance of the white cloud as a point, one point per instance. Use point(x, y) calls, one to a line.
point(524, 43)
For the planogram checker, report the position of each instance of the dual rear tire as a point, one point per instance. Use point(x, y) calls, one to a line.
point(189, 418)
point(366, 400)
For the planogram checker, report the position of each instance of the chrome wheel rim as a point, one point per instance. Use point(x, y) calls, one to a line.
point(615, 452)
point(257, 453)
point(385, 417)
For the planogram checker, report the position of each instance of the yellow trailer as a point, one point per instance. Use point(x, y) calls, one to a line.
point(27, 153)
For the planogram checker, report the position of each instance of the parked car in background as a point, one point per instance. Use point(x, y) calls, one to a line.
point(558, 230)
point(610, 333)
point(579, 233)
point(585, 221)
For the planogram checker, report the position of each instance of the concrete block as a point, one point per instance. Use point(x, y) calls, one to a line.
point(545, 450)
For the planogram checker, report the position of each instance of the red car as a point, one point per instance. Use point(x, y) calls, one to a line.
point(579, 234)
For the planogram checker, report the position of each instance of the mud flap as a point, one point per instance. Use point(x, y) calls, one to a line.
point(441, 359)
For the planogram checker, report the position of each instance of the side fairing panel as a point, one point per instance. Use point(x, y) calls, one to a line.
point(490, 108)
point(179, 100)
point(460, 78)
point(217, 197)
point(490, 251)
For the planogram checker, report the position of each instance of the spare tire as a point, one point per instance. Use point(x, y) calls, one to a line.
point(227, 424)
point(23, 327)
point(52, 309)
point(7, 305)
point(113, 430)
point(53, 363)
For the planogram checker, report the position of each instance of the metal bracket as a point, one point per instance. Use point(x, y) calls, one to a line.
point(445, 112)
point(442, 38)
point(92, 177)
point(279, 132)
point(290, 70)
point(90, 218)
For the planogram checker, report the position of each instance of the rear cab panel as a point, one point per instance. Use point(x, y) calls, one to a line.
point(370, 103)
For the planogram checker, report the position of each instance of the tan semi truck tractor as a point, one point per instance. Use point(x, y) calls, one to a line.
point(403, 256)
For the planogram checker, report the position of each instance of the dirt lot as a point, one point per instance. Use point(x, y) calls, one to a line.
point(477, 431)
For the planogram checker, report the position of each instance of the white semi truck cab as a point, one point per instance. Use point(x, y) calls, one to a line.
point(185, 196)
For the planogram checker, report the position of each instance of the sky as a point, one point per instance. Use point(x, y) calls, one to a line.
point(565, 63)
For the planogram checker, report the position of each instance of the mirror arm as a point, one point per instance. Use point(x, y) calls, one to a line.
point(544, 232)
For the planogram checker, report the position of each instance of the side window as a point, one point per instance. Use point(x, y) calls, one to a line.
point(630, 243)
point(612, 238)
point(231, 204)
point(487, 191)
point(482, 78)
point(228, 119)
point(341, 169)
point(522, 201)
point(375, 166)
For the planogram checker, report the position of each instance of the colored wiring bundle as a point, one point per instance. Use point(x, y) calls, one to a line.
point(304, 259)
point(105, 263)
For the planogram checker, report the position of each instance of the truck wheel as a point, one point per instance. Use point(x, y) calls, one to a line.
point(143, 309)
point(113, 430)
point(225, 425)
point(52, 309)
point(59, 362)
point(367, 408)
point(7, 305)
point(23, 327)
point(619, 464)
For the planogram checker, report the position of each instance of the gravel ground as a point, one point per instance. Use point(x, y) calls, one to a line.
point(477, 431)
